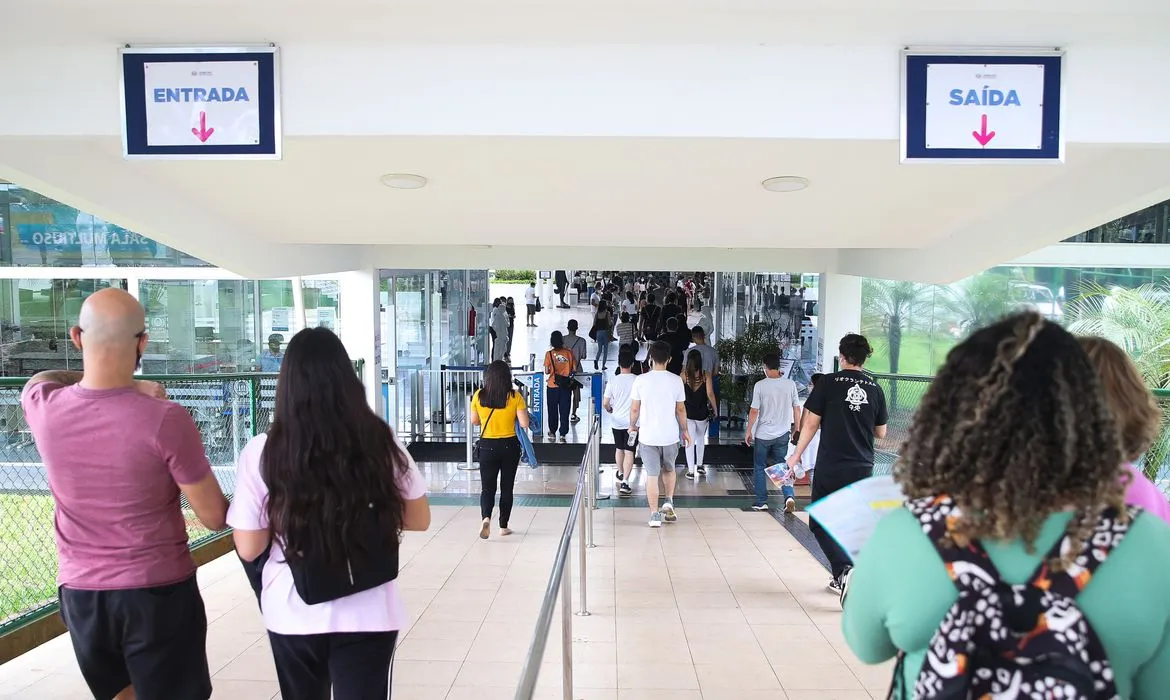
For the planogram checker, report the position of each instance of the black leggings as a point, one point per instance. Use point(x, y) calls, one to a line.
point(355, 664)
point(499, 458)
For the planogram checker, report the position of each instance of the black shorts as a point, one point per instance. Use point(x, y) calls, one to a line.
point(152, 638)
point(621, 440)
point(531, 309)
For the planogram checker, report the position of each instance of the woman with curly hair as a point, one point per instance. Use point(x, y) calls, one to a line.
point(1013, 462)
point(1137, 415)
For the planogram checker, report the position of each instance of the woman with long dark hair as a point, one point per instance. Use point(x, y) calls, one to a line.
point(1015, 568)
point(319, 507)
point(699, 390)
point(498, 408)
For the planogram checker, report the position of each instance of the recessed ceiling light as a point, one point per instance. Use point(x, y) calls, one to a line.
point(404, 181)
point(785, 183)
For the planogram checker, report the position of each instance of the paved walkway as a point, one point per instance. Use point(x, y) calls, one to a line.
point(722, 605)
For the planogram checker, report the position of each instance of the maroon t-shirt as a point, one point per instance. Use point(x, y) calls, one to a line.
point(114, 460)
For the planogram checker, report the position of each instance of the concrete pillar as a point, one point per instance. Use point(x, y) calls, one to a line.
point(359, 320)
point(838, 314)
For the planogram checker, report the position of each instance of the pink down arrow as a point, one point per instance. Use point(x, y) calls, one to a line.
point(203, 133)
point(983, 136)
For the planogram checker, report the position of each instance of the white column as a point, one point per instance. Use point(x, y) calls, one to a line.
point(838, 314)
point(360, 325)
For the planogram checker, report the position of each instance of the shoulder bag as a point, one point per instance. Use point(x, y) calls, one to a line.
point(477, 448)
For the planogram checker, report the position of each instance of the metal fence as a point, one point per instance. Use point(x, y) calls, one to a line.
point(904, 392)
point(229, 410)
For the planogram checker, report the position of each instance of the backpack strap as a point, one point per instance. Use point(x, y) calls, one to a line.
point(967, 564)
point(1109, 532)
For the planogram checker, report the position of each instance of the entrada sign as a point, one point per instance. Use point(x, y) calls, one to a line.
point(201, 103)
point(981, 106)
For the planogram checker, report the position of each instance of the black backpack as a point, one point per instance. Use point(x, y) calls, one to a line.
point(1029, 641)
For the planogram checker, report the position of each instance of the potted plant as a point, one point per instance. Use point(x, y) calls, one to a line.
point(741, 365)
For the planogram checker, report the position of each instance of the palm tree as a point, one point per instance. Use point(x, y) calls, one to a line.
point(893, 306)
point(979, 300)
point(1137, 320)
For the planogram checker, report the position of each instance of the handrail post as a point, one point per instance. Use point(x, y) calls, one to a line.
point(590, 499)
point(584, 611)
point(597, 495)
point(566, 633)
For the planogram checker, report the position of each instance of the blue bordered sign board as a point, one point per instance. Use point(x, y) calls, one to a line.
point(982, 105)
point(201, 103)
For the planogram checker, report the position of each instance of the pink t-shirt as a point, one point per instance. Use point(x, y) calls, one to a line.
point(114, 460)
point(1143, 492)
point(376, 610)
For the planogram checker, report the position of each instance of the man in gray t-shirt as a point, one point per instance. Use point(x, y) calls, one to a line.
point(576, 344)
point(710, 357)
point(775, 410)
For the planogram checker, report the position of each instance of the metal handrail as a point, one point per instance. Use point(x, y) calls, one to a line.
point(559, 582)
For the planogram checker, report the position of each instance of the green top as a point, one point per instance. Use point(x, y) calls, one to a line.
point(900, 592)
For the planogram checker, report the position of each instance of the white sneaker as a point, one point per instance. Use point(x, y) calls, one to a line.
point(668, 513)
point(691, 475)
point(656, 520)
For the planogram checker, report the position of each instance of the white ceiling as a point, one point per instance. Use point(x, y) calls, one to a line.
point(594, 192)
point(547, 21)
point(532, 198)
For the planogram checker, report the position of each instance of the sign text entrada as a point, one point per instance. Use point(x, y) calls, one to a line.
point(196, 94)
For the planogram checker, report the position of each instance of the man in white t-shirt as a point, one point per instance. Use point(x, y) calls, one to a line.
point(616, 401)
point(530, 301)
point(775, 411)
point(659, 416)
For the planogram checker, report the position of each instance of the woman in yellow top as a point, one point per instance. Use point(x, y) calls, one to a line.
point(498, 408)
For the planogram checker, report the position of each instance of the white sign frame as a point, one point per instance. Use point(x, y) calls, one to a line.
point(989, 53)
point(227, 51)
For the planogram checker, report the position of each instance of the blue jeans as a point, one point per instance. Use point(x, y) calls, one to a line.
point(765, 453)
point(602, 347)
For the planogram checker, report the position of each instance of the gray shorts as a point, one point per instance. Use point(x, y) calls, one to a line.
point(655, 459)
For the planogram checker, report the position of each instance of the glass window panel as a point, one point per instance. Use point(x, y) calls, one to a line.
point(35, 318)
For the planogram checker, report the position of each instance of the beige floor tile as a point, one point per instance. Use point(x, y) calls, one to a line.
point(744, 694)
point(492, 673)
point(443, 629)
point(451, 649)
point(244, 690)
point(830, 695)
point(440, 673)
point(600, 676)
point(254, 664)
point(808, 677)
point(741, 675)
point(56, 686)
point(661, 675)
point(658, 694)
point(420, 692)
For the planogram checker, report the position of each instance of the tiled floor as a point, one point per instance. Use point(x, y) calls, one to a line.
point(722, 604)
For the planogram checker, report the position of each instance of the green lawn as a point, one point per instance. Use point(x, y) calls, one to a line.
point(28, 559)
point(915, 356)
point(28, 555)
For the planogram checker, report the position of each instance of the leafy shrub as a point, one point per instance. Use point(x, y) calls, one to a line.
point(514, 275)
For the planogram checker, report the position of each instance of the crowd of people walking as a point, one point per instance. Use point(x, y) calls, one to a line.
point(1030, 559)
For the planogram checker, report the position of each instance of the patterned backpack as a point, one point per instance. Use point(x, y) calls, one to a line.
point(1009, 642)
